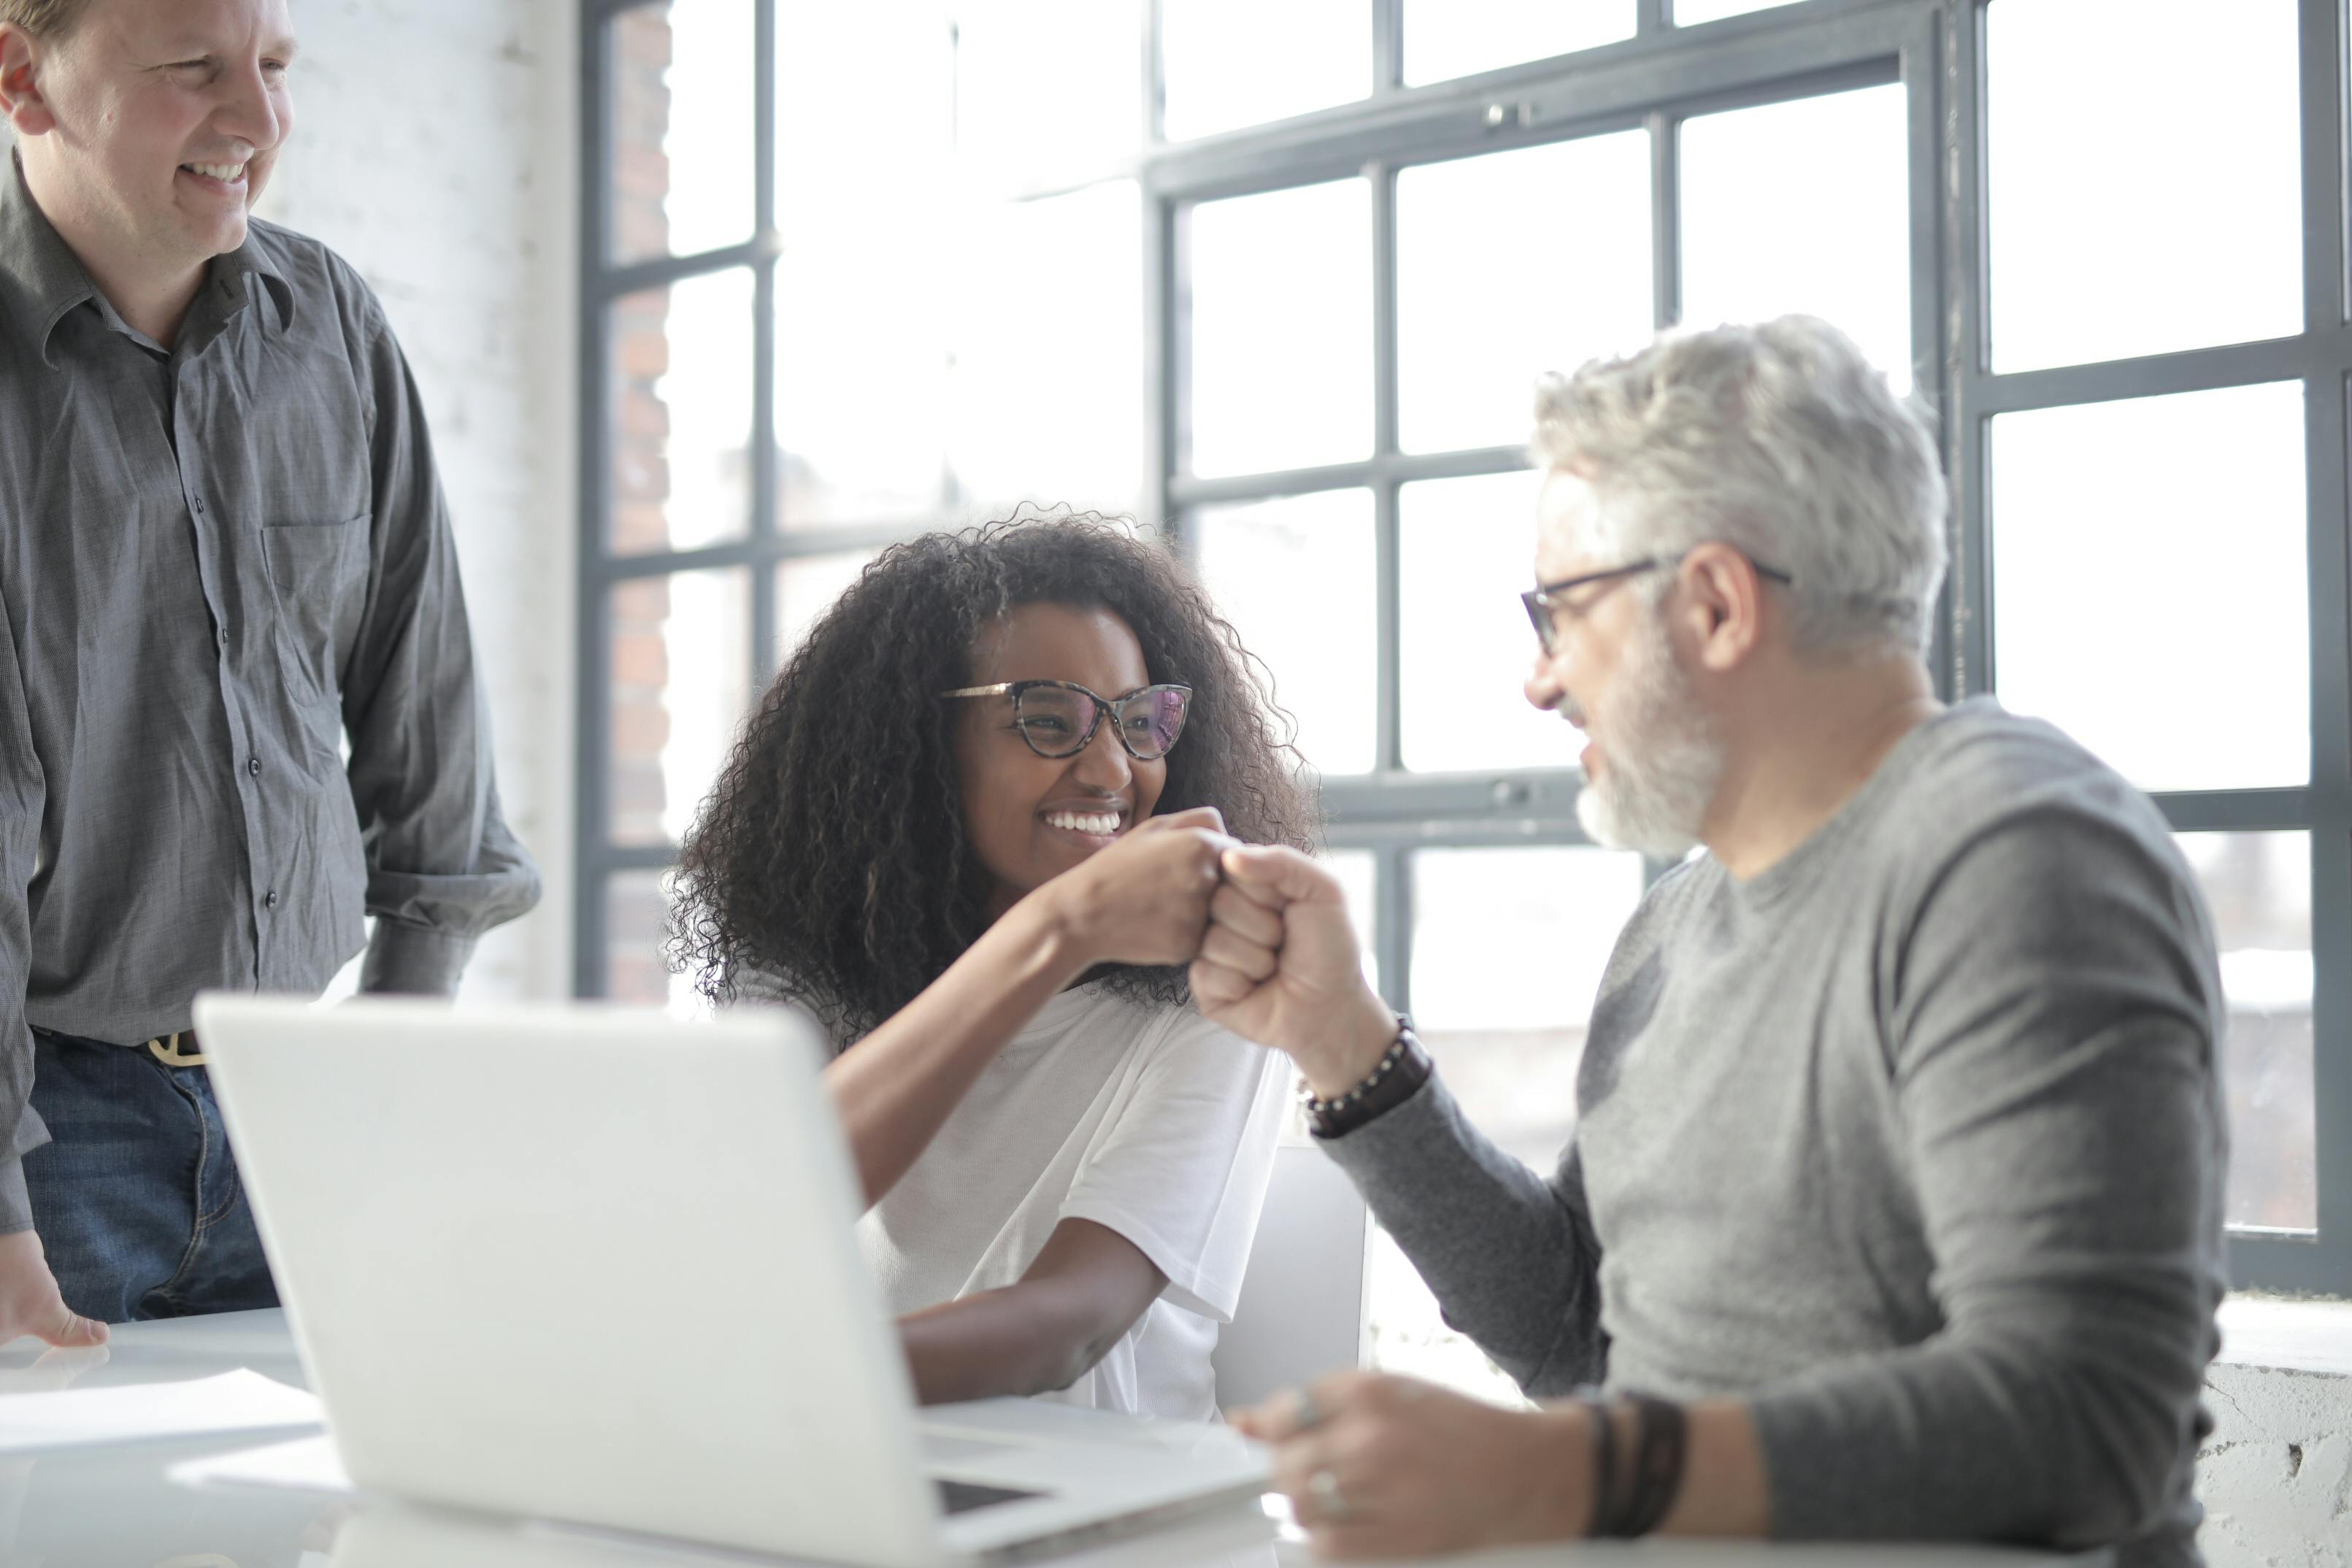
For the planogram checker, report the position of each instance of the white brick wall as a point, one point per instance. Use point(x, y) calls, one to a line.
point(434, 147)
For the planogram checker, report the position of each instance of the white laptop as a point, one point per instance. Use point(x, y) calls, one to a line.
point(596, 1265)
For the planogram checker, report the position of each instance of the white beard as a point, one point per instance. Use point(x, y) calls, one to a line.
point(1662, 760)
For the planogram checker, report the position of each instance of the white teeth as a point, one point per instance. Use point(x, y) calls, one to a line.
point(1084, 822)
point(228, 173)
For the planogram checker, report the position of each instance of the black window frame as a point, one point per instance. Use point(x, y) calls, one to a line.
point(1664, 74)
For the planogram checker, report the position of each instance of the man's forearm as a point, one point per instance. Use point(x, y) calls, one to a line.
point(413, 961)
point(1512, 1260)
point(1724, 1490)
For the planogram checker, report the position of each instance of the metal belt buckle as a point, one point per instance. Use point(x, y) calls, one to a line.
point(166, 1048)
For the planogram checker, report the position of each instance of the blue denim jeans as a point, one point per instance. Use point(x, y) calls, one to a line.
point(136, 1197)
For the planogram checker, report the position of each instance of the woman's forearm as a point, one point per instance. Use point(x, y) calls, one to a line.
point(995, 1342)
point(1086, 1286)
point(895, 1088)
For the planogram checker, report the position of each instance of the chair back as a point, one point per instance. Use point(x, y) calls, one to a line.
point(1302, 1304)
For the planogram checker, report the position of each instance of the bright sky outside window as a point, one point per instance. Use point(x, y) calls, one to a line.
point(1295, 577)
point(2258, 885)
point(2145, 174)
point(1232, 63)
point(1805, 207)
point(1282, 350)
point(1512, 264)
point(2151, 589)
point(1468, 552)
point(1445, 38)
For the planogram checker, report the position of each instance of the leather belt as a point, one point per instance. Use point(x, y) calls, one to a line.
point(176, 1049)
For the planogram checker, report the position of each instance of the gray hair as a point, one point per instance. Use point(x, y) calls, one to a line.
point(1778, 439)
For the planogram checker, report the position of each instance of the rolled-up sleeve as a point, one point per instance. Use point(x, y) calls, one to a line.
point(442, 867)
point(23, 792)
point(2057, 1025)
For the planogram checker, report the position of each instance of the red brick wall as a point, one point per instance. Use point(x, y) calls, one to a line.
point(638, 436)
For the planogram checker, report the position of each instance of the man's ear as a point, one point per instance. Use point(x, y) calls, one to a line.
point(21, 101)
point(1724, 607)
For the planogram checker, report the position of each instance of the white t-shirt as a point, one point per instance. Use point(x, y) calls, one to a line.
point(1144, 1119)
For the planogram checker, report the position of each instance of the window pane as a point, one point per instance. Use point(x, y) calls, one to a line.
point(1295, 577)
point(681, 677)
point(1510, 264)
point(806, 586)
point(682, 414)
point(2259, 885)
point(681, 129)
point(1467, 648)
point(2144, 173)
point(1230, 63)
point(1359, 874)
point(1282, 329)
point(1803, 206)
point(864, 283)
point(1048, 380)
point(1443, 39)
point(2157, 609)
point(636, 913)
point(1691, 13)
point(1012, 57)
point(1508, 950)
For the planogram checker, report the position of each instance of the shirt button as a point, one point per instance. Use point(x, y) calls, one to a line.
point(269, 900)
point(200, 508)
point(224, 636)
point(253, 766)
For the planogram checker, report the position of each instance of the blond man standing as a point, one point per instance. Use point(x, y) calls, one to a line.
point(224, 558)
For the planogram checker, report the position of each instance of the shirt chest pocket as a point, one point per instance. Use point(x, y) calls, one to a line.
point(319, 573)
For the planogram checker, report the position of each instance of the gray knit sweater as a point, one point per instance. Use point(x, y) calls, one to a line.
point(1915, 1142)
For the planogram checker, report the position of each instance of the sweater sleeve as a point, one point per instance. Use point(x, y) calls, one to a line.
point(1510, 1257)
point(2053, 1017)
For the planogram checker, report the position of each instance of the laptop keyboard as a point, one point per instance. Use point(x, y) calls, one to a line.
point(963, 1496)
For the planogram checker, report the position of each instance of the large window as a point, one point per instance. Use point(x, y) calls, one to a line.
point(1283, 291)
point(802, 343)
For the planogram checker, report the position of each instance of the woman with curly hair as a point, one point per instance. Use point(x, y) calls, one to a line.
point(973, 828)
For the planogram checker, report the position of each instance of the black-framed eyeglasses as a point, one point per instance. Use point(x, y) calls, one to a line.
point(1544, 601)
point(1059, 718)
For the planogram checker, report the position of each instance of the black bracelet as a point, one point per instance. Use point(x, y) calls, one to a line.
point(1659, 1451)
point(1395, 1078)
point(1604, 1466)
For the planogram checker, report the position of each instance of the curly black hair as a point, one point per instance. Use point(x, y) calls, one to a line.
point(831, 861)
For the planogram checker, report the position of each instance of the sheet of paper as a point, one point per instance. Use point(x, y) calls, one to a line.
point(305, 1464)
point(240, 1401)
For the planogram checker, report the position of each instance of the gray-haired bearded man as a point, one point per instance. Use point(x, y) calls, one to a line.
point(1893, 1207)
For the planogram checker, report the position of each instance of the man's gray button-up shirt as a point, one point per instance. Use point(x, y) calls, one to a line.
point(218, 565)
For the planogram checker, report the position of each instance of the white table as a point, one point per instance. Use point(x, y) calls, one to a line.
point(111, 1507)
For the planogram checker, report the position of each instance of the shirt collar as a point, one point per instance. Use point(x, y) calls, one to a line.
point(41, 279)
point(40, 276)
point(251, 260)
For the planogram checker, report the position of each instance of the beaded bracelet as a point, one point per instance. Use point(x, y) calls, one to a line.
point(1400, 1072)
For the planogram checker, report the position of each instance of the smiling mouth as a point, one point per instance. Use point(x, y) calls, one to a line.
point(1099, 824)
point(227, 174)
